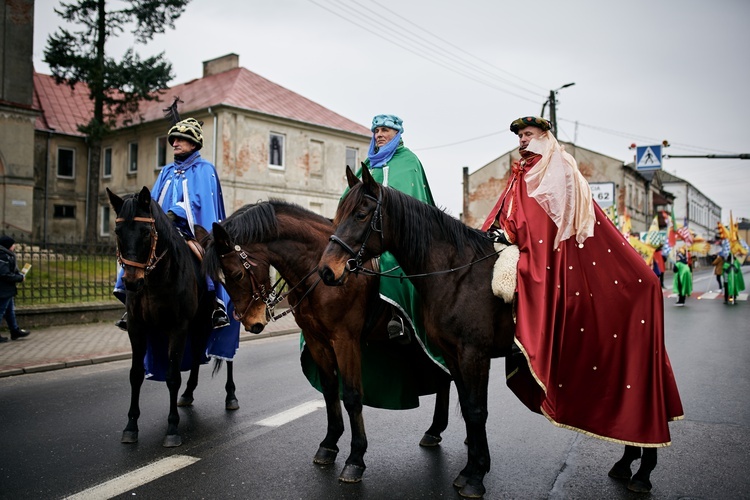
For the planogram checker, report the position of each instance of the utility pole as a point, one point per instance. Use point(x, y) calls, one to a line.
point(553, 107)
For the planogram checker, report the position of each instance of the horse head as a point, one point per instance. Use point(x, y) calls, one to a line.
point(136, 236)
point(246, 278)
point(359, 229)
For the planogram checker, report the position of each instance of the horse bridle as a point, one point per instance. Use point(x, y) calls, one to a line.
point(152, 258)
point(376, 224)
point(273, 297)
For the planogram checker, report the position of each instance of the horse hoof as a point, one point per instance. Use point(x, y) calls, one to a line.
point(183, 401)
point(472, 491)
point(325, 456)
point(639, 486)
point(429, 441)
point(460, 481)
point(351, 473)
point(172, 441)
point(620, 472)
point(129, 437)
point(232, 405)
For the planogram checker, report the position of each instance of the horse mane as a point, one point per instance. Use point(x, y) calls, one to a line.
point(420, 223)
point(259, 223)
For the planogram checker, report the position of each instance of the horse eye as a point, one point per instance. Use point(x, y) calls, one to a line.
point(360, 216)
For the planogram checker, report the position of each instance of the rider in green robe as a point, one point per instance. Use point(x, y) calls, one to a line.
point(735, 282)
point(391, 376)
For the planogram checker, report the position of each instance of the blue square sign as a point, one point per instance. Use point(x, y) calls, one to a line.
point(648, 157)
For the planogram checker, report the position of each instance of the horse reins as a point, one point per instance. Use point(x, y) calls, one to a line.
point(354, 264)
point(272, 299)
point(152, 258)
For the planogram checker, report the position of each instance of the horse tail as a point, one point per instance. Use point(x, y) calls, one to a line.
point(217, 366)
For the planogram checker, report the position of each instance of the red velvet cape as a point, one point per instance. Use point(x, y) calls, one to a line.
point(590, 322)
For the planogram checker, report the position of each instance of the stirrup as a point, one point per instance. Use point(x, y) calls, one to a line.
point(397, 330)
point(219, 318)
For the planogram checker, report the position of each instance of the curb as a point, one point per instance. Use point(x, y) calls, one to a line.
point(58, 365)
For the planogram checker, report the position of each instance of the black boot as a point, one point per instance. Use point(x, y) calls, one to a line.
point(18, 334)
point(3, 339)
point(122, 323)
point(397, 330)
point(219, 317)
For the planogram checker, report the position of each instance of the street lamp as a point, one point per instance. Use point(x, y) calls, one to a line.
point(552, 107)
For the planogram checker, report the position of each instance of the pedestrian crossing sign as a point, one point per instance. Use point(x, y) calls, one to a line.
point(648, 157)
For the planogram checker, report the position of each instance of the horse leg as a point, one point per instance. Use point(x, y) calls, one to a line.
point(439, 417)
point(328, 449)
point(231, 402)
point(621, 469)
point(355, 463)
point(186, 399)
point(137, 374)
point(174, 379)
point(641, 482)
point(472, 384)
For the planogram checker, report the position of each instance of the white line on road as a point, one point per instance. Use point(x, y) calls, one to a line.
point(292, 414)
point(136, 478)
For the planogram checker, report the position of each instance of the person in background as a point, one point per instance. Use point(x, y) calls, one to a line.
point(590, 311)
point(10, 277)
point(735, 282)
point(683, 279)
point(718, 264)
point(658, 264)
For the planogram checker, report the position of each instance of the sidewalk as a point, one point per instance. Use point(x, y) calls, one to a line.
point(75, 345)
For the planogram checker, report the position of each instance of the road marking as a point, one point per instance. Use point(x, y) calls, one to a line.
point(136, 478)
point(292, 414)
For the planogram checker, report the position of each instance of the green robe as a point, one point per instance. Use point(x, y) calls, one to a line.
point(683, 280)
point(394, 376)
point(735, 282)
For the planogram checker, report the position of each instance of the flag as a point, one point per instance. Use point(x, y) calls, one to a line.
point(736, 247)
point(654, 237)
point(627, 225)
point(685, 235)
point(723, 233)
point(673, 231)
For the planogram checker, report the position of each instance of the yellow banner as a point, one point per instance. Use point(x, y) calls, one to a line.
point(646, 250)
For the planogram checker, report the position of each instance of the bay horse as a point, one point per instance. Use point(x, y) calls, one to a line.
point(167, 304)
point(336, 322)
point(449, 265)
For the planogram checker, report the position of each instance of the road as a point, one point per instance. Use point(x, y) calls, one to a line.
point(60, 432)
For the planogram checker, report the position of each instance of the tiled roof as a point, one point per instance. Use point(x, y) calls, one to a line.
point(63, 110)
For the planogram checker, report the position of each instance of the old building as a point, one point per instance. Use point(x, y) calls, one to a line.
point(17, 116)
point(265, 140)
point(691, 206)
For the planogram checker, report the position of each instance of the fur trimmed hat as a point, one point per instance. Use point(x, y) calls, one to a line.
point(529, 121)
point(189, 129)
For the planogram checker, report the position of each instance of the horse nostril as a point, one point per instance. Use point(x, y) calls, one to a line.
point(327, 275)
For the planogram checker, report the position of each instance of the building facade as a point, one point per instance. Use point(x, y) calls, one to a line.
point(265, 141)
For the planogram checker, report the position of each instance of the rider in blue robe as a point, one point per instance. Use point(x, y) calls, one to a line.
point(188, 190)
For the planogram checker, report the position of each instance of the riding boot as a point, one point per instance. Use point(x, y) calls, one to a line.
point(397, 330)
point(122, 323)
point(219, 318)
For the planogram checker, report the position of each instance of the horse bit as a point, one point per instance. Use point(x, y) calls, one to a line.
point(152, 258)
point(273, 298)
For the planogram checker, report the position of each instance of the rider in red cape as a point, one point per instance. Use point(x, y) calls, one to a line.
point(590, 312)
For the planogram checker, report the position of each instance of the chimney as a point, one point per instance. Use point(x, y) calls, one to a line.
point(220, 64)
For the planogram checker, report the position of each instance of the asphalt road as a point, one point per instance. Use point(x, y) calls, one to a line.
point(60, 432)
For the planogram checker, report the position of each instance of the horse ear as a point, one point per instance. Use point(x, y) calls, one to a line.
point(114, 200)
point(351, 178)
point(144, 197)
point(200, 234)
point(221, 237)
point(370, 183)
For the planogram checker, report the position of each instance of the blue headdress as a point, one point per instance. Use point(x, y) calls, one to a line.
point(380, 156)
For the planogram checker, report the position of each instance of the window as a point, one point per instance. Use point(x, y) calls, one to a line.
point(64, 212)
point(276, 151)
point(352, 158)
point(133, 157)
point(161, 151)
point(107, 162)
point(66, 162)
point(317, 149)
point(104, 228)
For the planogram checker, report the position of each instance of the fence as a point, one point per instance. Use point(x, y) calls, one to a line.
point(66, 273)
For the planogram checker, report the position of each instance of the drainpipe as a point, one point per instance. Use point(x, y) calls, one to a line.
point(46, 187)
point(216, 128)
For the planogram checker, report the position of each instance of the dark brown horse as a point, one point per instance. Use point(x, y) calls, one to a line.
point(167, 304)
point(460, 312)
point(335, 321)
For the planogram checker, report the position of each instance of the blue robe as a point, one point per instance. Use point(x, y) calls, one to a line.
point(196, 181)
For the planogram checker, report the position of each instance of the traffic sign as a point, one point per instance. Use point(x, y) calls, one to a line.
point(603, 193)
point(648, 157)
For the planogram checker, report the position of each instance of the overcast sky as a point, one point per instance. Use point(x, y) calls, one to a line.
point(458, 73)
